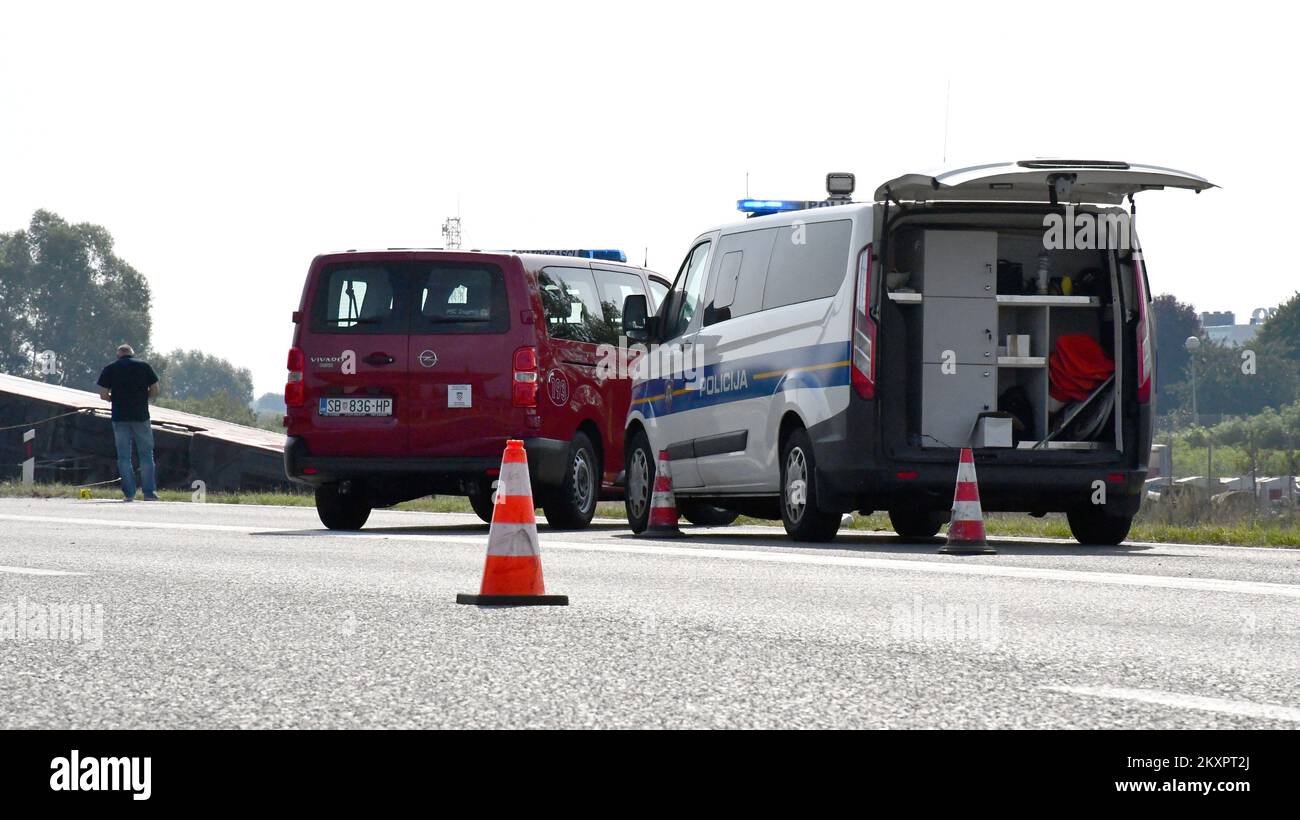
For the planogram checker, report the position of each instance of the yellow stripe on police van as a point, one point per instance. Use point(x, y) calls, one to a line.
point(828, 366)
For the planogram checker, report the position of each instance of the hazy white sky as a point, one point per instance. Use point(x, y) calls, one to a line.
point(225, 144)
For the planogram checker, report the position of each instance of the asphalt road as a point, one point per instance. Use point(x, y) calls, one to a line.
point(239, 616)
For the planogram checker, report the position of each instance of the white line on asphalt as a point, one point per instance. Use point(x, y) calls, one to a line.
point(1245, 708)
point(33, 571)
point(949, 566)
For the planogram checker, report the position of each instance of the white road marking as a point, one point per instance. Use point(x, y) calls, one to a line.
point(34, 571)
point(1246, 708)
point(949, 566)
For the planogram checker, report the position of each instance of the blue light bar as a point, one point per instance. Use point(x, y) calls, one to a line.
point(769, 206)
point(604, 254)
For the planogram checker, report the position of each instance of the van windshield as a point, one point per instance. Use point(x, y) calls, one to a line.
point(411, 297)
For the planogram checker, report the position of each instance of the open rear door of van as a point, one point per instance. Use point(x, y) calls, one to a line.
point(1053, 181)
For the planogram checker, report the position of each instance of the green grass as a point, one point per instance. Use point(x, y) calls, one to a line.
point(1275, 531)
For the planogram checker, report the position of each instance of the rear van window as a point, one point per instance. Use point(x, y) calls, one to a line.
point(414, 297)
point(358, 300)
point(460, 299)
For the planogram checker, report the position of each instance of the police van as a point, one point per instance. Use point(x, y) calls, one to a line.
point(837, 358)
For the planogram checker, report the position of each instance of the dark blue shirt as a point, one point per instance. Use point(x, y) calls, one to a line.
point(129, 379)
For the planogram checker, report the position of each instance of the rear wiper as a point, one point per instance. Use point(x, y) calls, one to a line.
point(354, 321)
point(449, 321)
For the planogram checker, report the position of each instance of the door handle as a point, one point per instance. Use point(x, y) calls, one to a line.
point(379, 359)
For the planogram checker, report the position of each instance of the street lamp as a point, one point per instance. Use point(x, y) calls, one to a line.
point(1193, 346)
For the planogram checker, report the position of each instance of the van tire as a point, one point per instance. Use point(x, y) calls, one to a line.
point(482, 504)
point(573, 504)
point(916, 523)
point(339, 511)
point(639, 491)
point(706, 515)
point(1092, 527)
point(803, 521)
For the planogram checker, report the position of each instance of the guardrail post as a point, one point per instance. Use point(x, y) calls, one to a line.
point(29, 465)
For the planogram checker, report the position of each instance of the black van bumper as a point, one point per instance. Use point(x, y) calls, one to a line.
point(850, 477)
point(547, 461)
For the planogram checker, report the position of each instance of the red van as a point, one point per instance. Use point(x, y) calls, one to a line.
point(411, 368)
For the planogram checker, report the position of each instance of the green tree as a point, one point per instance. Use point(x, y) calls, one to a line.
point(63, 289)
point(1175, 321)
point(1225, 385)
point(1282, 329)
point(193, 374)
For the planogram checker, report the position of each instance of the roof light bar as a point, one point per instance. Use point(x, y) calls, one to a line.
point(604, 254)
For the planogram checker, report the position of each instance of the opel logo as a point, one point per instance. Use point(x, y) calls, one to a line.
point(428, 358)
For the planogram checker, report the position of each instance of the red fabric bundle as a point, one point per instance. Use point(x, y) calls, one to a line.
point(1076, 367)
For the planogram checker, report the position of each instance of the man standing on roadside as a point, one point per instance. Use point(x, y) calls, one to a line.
point(129, 384)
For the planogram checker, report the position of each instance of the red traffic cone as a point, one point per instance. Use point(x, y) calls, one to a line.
point(512, 575)
point(966, 529)
point(663, 506)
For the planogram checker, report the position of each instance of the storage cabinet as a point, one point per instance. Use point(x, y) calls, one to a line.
point(951, 402)
point(959, 282)
point(955, 272)
point(967, 327)
point(960, 263)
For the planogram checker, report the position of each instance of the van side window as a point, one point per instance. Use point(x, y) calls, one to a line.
point(658, 290)
point(572, 305)
point(461, 299)
point(742, 275)
point(809, 261)
point(358, 300)
point(688, 291)
point(614, 288)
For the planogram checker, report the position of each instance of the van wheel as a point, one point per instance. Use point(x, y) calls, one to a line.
point(482, 504)
point(573, 505)
point(1092, 527)
point(640, 482)
point(340, 511)
point(803, 521)
point(916, 523)
point(706, 515)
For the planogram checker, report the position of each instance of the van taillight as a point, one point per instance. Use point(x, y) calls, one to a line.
point(863, 374)
point(525, 381)
point(294, 395)
point(1145, 354)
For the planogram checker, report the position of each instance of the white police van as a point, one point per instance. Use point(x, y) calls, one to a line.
point(847, 352)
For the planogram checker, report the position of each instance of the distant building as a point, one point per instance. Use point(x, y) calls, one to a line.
point(1220, 326)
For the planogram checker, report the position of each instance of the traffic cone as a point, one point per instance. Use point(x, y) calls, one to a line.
point(512, 575)
point(663, 506)
point(966, 529)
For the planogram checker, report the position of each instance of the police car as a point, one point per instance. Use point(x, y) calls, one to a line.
point(836, 358)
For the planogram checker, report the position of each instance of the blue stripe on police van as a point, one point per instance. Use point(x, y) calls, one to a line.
point(818, 366)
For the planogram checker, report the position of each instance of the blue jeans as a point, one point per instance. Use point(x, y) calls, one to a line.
point(125, 432)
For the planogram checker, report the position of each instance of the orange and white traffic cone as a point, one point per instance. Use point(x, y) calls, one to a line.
point(966, 529)
point(663, 506)
point(512, 575)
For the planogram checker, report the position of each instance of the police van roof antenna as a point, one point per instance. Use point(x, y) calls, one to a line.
point(947, 97)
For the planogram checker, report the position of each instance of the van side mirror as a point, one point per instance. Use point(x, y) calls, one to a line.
point(636, 318)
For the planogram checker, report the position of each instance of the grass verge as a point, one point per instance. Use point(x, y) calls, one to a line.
point(1263, 532)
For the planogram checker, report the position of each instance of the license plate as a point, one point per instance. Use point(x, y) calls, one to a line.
point(356, 407)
